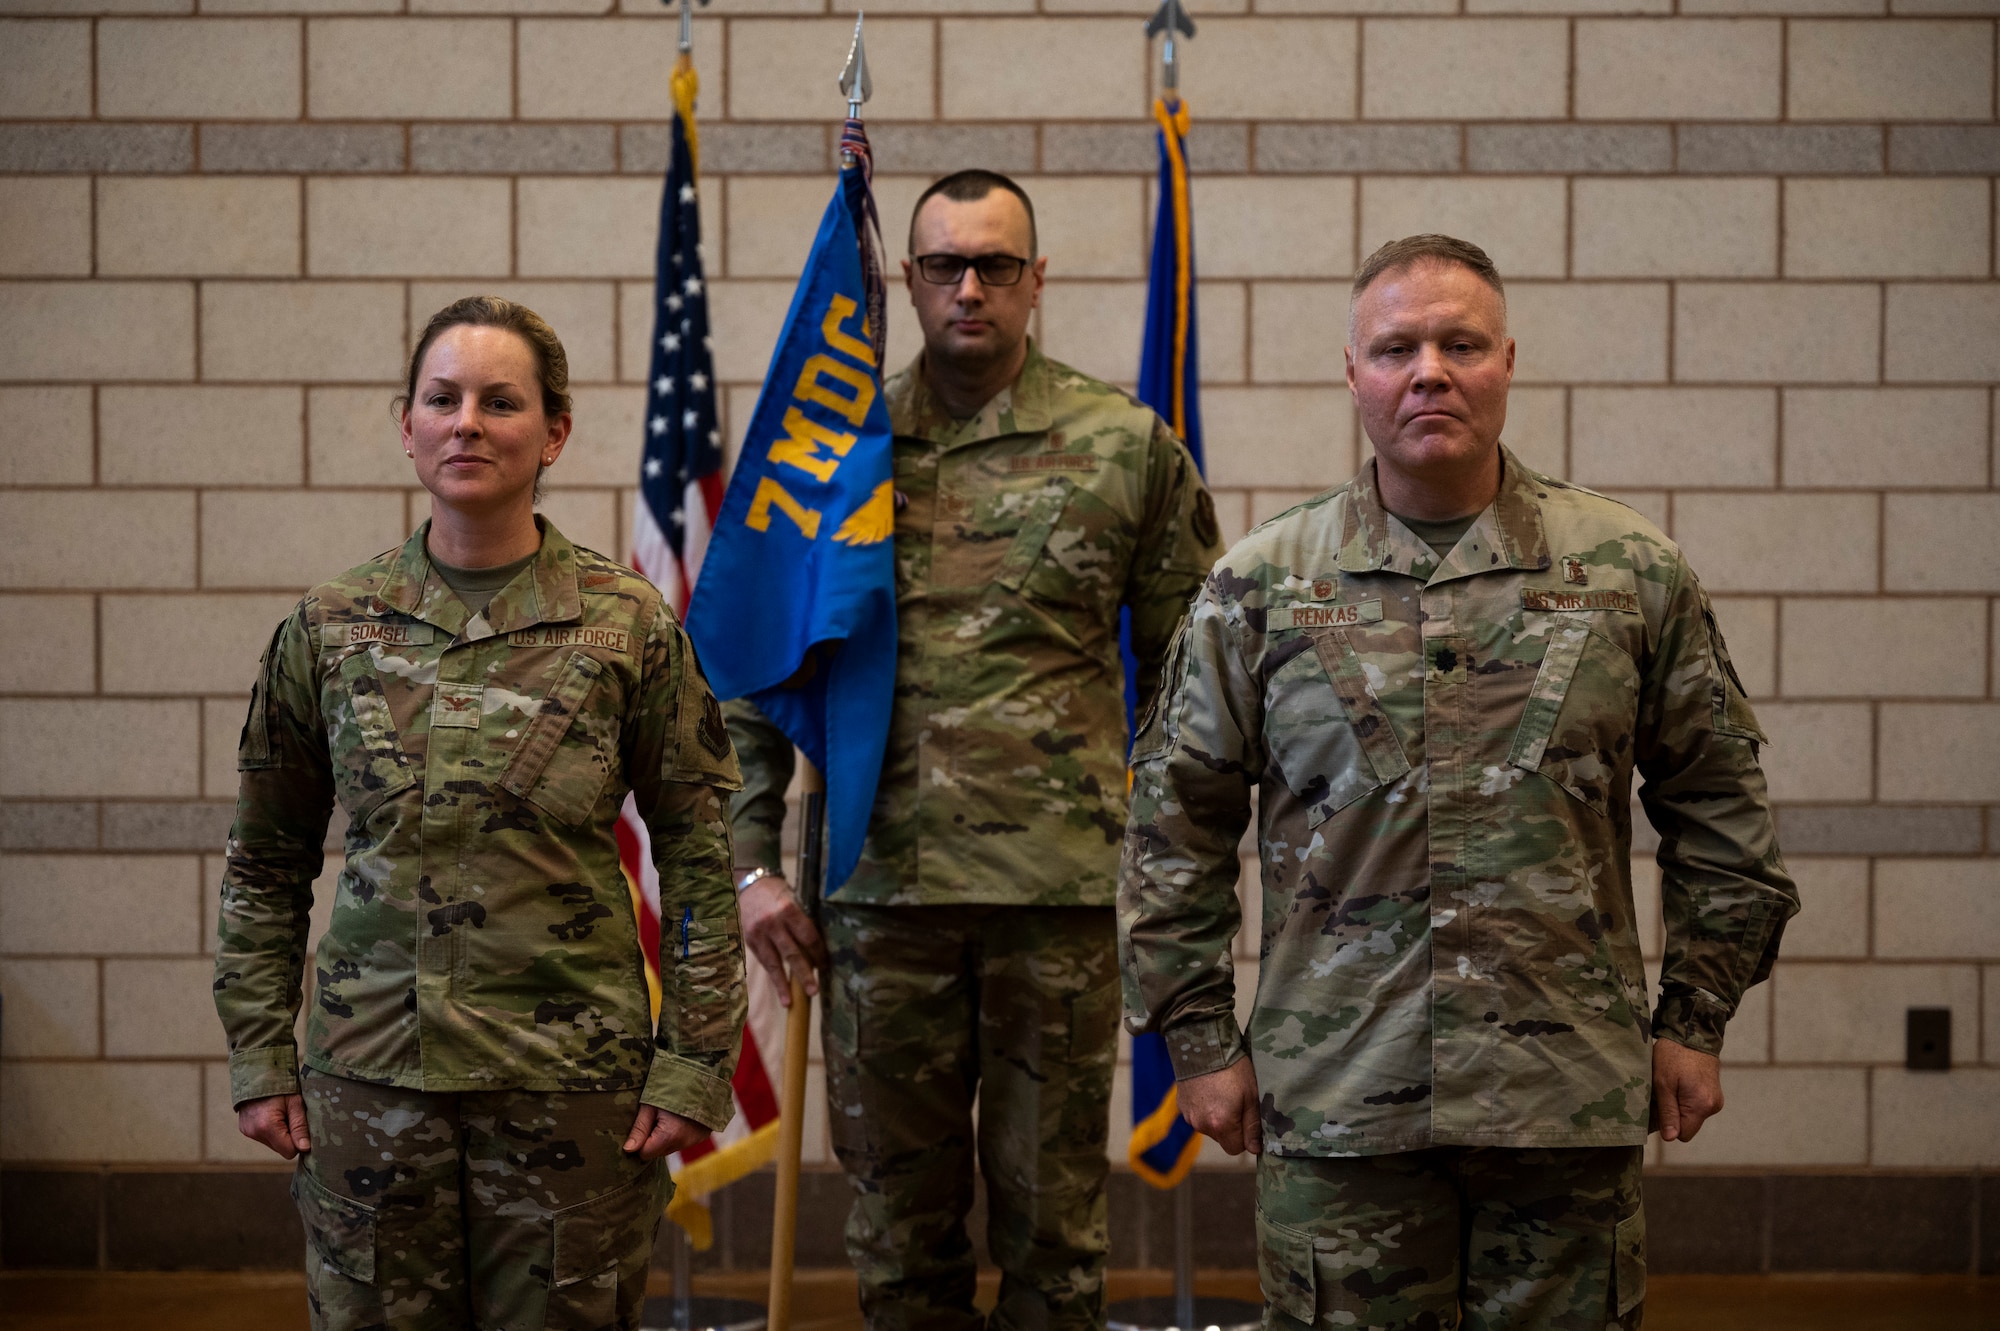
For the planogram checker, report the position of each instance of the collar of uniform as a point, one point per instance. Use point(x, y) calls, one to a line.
point(544, 592)
point(1023, 407)
point(1510, 529)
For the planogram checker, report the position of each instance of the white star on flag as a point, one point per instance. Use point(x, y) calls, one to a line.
point(665, 386)
point(658, 425)
point(698, 381)
point(671, 342)
point(653, 465)
point(692, 286)
point(690, 419)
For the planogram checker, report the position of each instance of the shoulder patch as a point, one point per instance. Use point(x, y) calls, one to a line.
point(1205, 524)
point(700, 752)
point(713, 730)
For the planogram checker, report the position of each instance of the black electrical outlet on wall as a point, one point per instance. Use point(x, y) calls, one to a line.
point(1928, 1039)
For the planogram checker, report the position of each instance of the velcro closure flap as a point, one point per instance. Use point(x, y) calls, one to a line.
point(1043, 515)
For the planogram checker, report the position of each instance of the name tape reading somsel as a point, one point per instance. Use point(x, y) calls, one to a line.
point(389, 634)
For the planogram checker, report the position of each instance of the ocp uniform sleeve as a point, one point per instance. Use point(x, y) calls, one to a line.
point(1197, 757)
point(283, 804)
point(1725, 894)
point(1179, 540)
point(682, 768)
point(757, 812)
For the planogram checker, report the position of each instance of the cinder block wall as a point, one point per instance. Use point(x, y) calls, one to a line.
point(1752, 249)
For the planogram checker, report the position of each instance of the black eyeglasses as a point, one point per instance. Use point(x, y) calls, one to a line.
point(948, 270)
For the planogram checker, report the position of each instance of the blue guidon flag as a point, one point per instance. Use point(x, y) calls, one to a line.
point(1163, 1146)
point(796, 607)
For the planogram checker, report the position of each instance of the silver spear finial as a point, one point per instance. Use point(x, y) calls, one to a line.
point(1170, 18)
point(855, 85)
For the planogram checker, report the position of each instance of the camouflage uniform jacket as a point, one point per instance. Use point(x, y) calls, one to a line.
point(1019, 533)
point(482, 934)
point(1443, 754)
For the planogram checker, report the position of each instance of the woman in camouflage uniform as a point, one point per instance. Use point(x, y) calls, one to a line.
point(484, 1101)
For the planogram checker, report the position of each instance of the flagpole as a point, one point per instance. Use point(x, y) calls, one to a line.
point(856, 87)
point(1173, 399)
point(792, 1096)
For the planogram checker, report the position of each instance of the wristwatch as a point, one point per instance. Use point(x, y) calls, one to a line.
point(754, 875)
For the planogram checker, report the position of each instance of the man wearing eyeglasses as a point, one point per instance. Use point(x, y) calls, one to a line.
point(973, 952)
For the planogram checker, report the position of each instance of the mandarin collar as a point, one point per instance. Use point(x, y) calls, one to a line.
point(545, 592)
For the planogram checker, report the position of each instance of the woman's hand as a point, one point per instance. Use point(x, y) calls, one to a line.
point(661, 1132)
point(278, 1121)
point(779, 935)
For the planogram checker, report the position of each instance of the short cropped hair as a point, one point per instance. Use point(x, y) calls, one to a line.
point(969, 186)
point(1410, 251)
point(1401, 255)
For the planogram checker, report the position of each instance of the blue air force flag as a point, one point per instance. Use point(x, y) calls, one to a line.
point(1163, 1146)
point(796, 607)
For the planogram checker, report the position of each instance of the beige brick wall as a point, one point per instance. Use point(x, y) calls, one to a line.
point(1751, 245)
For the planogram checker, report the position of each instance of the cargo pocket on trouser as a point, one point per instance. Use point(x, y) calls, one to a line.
point(601, 1251)
point(340, 1256)
point(1628, 1265)
point(1093, 1023)
point(1285, 1270)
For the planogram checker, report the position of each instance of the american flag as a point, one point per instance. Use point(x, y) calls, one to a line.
point(680, 491)
point(680, 476)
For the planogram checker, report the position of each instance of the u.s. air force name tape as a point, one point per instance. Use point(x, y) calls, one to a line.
point(1579, 602)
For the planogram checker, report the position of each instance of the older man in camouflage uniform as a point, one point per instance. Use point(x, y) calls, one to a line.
point(972, 952)
point(1440, 679)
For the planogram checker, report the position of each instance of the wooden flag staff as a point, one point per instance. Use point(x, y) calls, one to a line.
point(856, 87)
point(798, 1029)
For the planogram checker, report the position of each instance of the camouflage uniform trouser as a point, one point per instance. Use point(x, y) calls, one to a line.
point(926, 1006)
point(505, 1210)
point(1525, 1240)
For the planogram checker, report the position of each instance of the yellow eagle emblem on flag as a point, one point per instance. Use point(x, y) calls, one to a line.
point(873, 521)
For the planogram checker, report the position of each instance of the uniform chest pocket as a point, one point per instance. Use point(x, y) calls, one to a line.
point(369, 761)
point(1071, 550)
point(1576, 728)
point(1327, 738)
point(561, 766)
